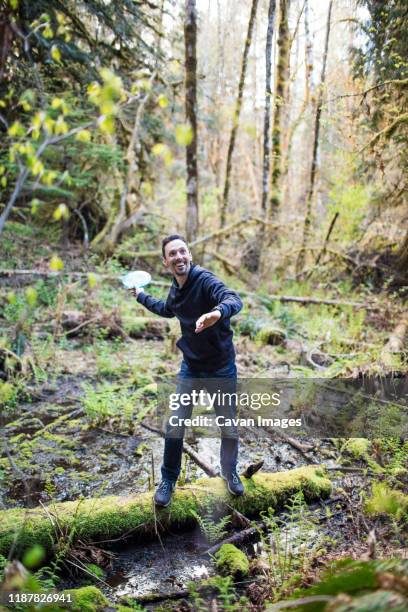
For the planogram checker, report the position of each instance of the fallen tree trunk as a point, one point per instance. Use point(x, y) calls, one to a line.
point(76, 322)
point(114, 517)
point(310, 300)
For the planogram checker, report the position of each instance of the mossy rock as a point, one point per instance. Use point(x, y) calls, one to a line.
point(146, 327)
point(113, 516)
point(87, 599)
point(230, 560)
point(270, 335)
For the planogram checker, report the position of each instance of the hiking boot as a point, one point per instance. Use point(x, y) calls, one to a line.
point(164, 492)
point(234, 484)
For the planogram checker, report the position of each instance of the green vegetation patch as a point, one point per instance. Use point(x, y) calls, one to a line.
point(87, 599)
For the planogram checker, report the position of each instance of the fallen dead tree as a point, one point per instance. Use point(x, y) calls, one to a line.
point(110, 518)
point(310, 300)
point(76, 322)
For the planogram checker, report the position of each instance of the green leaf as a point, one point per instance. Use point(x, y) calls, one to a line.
point(31, 296)
point(83, 136)
point(184, 134)
point(55, 53)
point(163, 151)
point(11, 298)
point(56, 264)
point(60, 212)
point(35, 204)
point(16, 130)
point(92, 280)
point(163, 101)
point(34, 557)
point(107, 124)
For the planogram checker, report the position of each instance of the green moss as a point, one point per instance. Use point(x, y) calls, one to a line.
point(87, 599)
point(230, 560)
point(140, 325)
point(387, 501)
point(58, 440)
point(95, 570)
point(112, 516)
point(358, 447)
point(270, 335)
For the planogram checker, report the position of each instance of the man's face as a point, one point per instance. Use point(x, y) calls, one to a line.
point(177, 258)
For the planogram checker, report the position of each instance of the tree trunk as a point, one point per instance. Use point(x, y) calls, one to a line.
point(252, 254)
point(308, 92)
point(316, 131)
point(190, 42)
point(267, 116)
point(237, 112)
point(105, 519)
point(282, 71)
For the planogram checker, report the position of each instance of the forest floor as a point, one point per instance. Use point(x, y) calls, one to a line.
point(75, 403)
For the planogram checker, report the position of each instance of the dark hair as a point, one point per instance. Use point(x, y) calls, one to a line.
point(170, 238)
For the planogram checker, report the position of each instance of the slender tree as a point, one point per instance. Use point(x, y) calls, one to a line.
point(307, 97)
point(316, 132)
point(267, 115)
point(190, 42)
point(253, 252)
point(237, 112)
point(281, 82)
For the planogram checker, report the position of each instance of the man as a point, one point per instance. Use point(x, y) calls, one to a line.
point(203, 305)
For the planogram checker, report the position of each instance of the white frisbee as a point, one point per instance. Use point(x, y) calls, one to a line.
point(136, 279)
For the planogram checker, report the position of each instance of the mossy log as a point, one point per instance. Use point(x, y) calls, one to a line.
point(76, 323)
point(110, 518)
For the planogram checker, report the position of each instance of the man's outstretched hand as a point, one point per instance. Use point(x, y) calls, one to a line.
point(135, 291)
point(206, 320)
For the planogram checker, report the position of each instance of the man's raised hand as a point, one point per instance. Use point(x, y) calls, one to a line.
point(135, 291)
point(206, 320)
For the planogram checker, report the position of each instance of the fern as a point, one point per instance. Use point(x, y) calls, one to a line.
point(212, 530)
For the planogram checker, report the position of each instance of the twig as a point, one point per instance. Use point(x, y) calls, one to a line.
point(252, 469)
point(326, 240)
point(241, 536)
point(366, 91)
point(83, 324)
point(301, 448)
point(384, 132)
point(202, 463)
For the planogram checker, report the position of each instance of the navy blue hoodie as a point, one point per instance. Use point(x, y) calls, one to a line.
point(202, 292)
